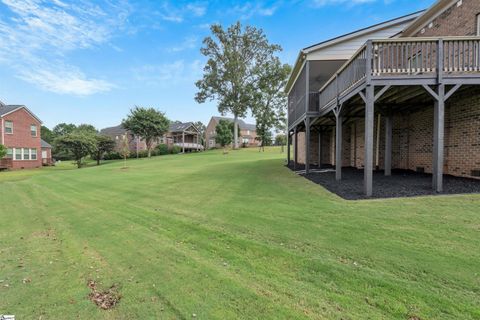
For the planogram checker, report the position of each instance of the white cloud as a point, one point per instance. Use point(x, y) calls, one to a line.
point(250, 9)
point(188, 43)
point(38, 32)
point(168, 74)
point(321, 3)
point(171, 13)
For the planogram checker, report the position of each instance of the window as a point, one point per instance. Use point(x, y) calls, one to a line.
point(33, 154)
point(33, 130)
point(248, 132)
point(18, 153)
point(478, 24)
point(9, 127)
point(26, 154)
point(9, 153)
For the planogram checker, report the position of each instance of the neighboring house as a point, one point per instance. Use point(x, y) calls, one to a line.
point(20, 133)
point(118, 132)
point(248, 133)
point(401, 94)
point(183, 135)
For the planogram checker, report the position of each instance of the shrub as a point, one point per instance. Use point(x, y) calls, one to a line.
point(113, 156)
point(175, 150)
point(161, 149)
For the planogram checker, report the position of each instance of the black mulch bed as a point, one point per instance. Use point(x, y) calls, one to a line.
point(402, 183)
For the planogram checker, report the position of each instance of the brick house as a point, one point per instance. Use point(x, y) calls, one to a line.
point(248, 133)
point(402, 94)
point(20, 134)
point(184, 135)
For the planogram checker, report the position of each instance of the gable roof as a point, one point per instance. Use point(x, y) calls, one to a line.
point(428, 16)
point(180, 127)
point(386, 29)
point(241, 124)
point(7, 109)
point(45, 144)
point(114, 131)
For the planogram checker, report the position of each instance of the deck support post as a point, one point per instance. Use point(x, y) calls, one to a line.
point(388, 144)
point(320, 148)
point(307, 145)
point(295, 148)
point(369, 124)
point(183, 142)
point(288, 148)
point(338, 147)
point(438, 139)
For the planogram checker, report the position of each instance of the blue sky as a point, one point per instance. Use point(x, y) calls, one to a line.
point(91, 61)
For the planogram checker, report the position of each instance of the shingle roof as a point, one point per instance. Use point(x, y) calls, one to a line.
point(45, 144)
point(114, 131)
point(179, 127)
point(242, 124)
point(4, 109)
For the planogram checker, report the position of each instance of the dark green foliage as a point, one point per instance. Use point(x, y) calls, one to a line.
point(280, 140)
point(62, 129)
point(161, 149)
point(3, 151)
point(78, 144)
point(224, 134)
point(147, 123)
point(47, 134)
point(103, 145)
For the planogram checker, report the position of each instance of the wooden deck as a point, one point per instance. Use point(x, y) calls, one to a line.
point(388, 71)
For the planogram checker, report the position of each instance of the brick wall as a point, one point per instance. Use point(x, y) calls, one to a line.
point(455, 21)
point(22, 138)
point(412, 141)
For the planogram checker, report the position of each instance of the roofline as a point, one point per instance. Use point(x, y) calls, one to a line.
point(305, 51)
point(22, 107)
point(428, 15)
point(358, 32)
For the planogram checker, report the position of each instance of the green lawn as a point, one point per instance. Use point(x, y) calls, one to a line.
point(229, 237)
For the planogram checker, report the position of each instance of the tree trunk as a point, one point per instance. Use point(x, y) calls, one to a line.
point(79, 163)
point(98, 159)
point(235, 132)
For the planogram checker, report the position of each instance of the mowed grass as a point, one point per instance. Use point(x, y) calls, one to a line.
point(209, 236)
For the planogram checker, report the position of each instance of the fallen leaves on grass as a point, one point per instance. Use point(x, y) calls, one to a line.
point(104, 299)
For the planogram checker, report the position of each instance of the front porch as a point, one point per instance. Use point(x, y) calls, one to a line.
point(382, 83)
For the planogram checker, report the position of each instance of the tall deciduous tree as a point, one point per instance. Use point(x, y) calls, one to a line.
point(63, 128)
point(103, 144)
point(47, 134)
point(269, 100)
point(79, 144)
point(235, 58)
point(224, 135)
point(147, 123)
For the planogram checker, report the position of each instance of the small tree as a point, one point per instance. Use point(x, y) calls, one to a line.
point(147, 123)
point(103, 144)
point(280, 140)
point(79, 144)
point(125, 151)
point(224, 134)
point(3, 151)
point(269, 99)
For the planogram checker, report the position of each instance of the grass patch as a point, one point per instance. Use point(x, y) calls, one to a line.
point(229, 236)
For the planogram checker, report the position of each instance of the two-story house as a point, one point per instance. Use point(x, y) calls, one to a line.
point(184, 135)
point(248, 133)
point(400, 94)
point(20, 134)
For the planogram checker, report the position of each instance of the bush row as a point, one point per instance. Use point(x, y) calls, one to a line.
point(160, 150)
